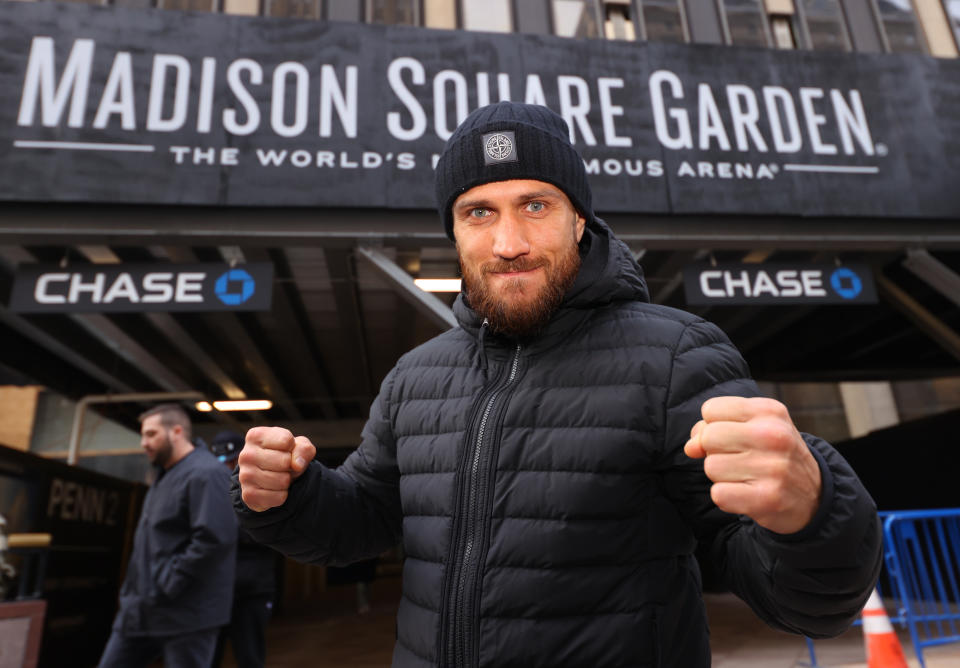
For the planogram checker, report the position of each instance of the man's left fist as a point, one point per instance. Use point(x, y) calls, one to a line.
point(759, 464)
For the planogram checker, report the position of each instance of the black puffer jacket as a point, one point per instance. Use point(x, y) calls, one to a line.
point(547, 511)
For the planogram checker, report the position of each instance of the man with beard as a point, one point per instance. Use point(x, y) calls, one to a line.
point(179, 583)
point(552, 464)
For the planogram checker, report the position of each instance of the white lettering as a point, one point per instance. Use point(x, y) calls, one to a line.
point(39, 82)
point(534, 91)
point(181, 89)
point(230, 122)
point(331, 95)
point(208, 72)
point(705, 288)
point(575, 113)
point(157, 287)
point(711, 124)
point(441, 123)
point(793, 140)
point(608, 111)
point(301, 81)
point(483, 88)
point(41, 291)
point(409, 100)
point(744, 115)
point(271, 157)
point(787, 279)
point(77, 287)
point(683, 138)
point(117, 95)
point(852, 122)
point(731, 284)
point(812, 283)
point(189, 285)
point(814, 121)
point(122, 288)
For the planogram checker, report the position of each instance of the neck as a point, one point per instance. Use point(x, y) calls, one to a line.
point(180, 450)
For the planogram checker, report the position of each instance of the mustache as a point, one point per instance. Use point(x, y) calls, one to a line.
point(506, 266)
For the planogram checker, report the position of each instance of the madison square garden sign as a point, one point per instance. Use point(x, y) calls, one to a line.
point(143, 106)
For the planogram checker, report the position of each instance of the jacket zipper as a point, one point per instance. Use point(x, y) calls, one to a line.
point(459, 643)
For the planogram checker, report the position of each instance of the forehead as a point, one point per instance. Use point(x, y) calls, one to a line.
point(509, 190)
point(150, 423)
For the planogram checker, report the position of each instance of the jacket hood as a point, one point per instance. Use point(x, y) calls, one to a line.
point(608, 273)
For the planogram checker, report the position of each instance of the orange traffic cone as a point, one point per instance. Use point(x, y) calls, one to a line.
point(883, 646)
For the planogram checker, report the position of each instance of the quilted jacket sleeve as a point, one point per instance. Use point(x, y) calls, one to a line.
point(338, 516)
point(813, 582)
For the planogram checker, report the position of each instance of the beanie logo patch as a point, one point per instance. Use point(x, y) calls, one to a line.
point(499, 147)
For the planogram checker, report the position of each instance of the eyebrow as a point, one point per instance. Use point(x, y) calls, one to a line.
point(524, 197)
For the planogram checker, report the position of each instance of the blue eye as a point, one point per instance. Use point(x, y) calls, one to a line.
point(479, 212)
point(536, 207)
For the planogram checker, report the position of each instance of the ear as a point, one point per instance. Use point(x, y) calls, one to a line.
point(580, 226)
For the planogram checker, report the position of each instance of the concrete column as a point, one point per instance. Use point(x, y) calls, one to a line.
point(935, 25)
point(869, 406)
point(440, 14)
point(241, 7)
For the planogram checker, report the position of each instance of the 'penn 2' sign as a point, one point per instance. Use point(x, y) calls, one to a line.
point(135, 288)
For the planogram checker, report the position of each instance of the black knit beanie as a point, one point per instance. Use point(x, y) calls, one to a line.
point(510, 140)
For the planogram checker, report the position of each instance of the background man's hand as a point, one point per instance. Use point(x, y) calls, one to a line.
point(271, 459)
point(759, 464)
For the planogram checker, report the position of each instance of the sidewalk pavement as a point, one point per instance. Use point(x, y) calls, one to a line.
point(740, 640)
point(330, 634)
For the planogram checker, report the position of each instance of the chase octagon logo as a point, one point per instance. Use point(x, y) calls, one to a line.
point(846, 283)
point(235, 287)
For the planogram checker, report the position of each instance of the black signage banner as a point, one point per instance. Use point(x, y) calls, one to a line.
point(146, 106)
point(777, 283)
point(136, 288)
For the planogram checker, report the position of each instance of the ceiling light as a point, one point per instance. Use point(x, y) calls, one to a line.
point(438, 284)
point(244, 405)
point(237, 405)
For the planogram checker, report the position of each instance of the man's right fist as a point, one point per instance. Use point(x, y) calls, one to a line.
point(271, 459)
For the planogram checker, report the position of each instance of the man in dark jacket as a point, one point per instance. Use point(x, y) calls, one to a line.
point(179, 582)
point(552, 463)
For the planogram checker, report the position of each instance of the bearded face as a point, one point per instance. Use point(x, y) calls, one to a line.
point(515, 306)
point(155, 441)
point(517, 243)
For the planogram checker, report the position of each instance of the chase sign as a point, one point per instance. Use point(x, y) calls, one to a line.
point(779, 284)
point(135, 288)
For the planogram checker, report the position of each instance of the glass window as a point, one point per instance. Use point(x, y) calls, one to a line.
point(575, 18)
point(900, 26)
point(782, 32)
point(825, 25)
point(618, 24)
point(394, 12)
point(486, 15)
point(662, 21)
point(189, 5)
point(953, 15)
point(298, 9)
point(746, 22)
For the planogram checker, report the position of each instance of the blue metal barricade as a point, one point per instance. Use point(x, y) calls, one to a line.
point(922, 555)
point(897, 618)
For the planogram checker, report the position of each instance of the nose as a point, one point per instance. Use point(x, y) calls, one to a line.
point(510, 237)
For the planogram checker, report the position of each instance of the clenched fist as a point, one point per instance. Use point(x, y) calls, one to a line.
point(759, 464)
point(271, 459)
